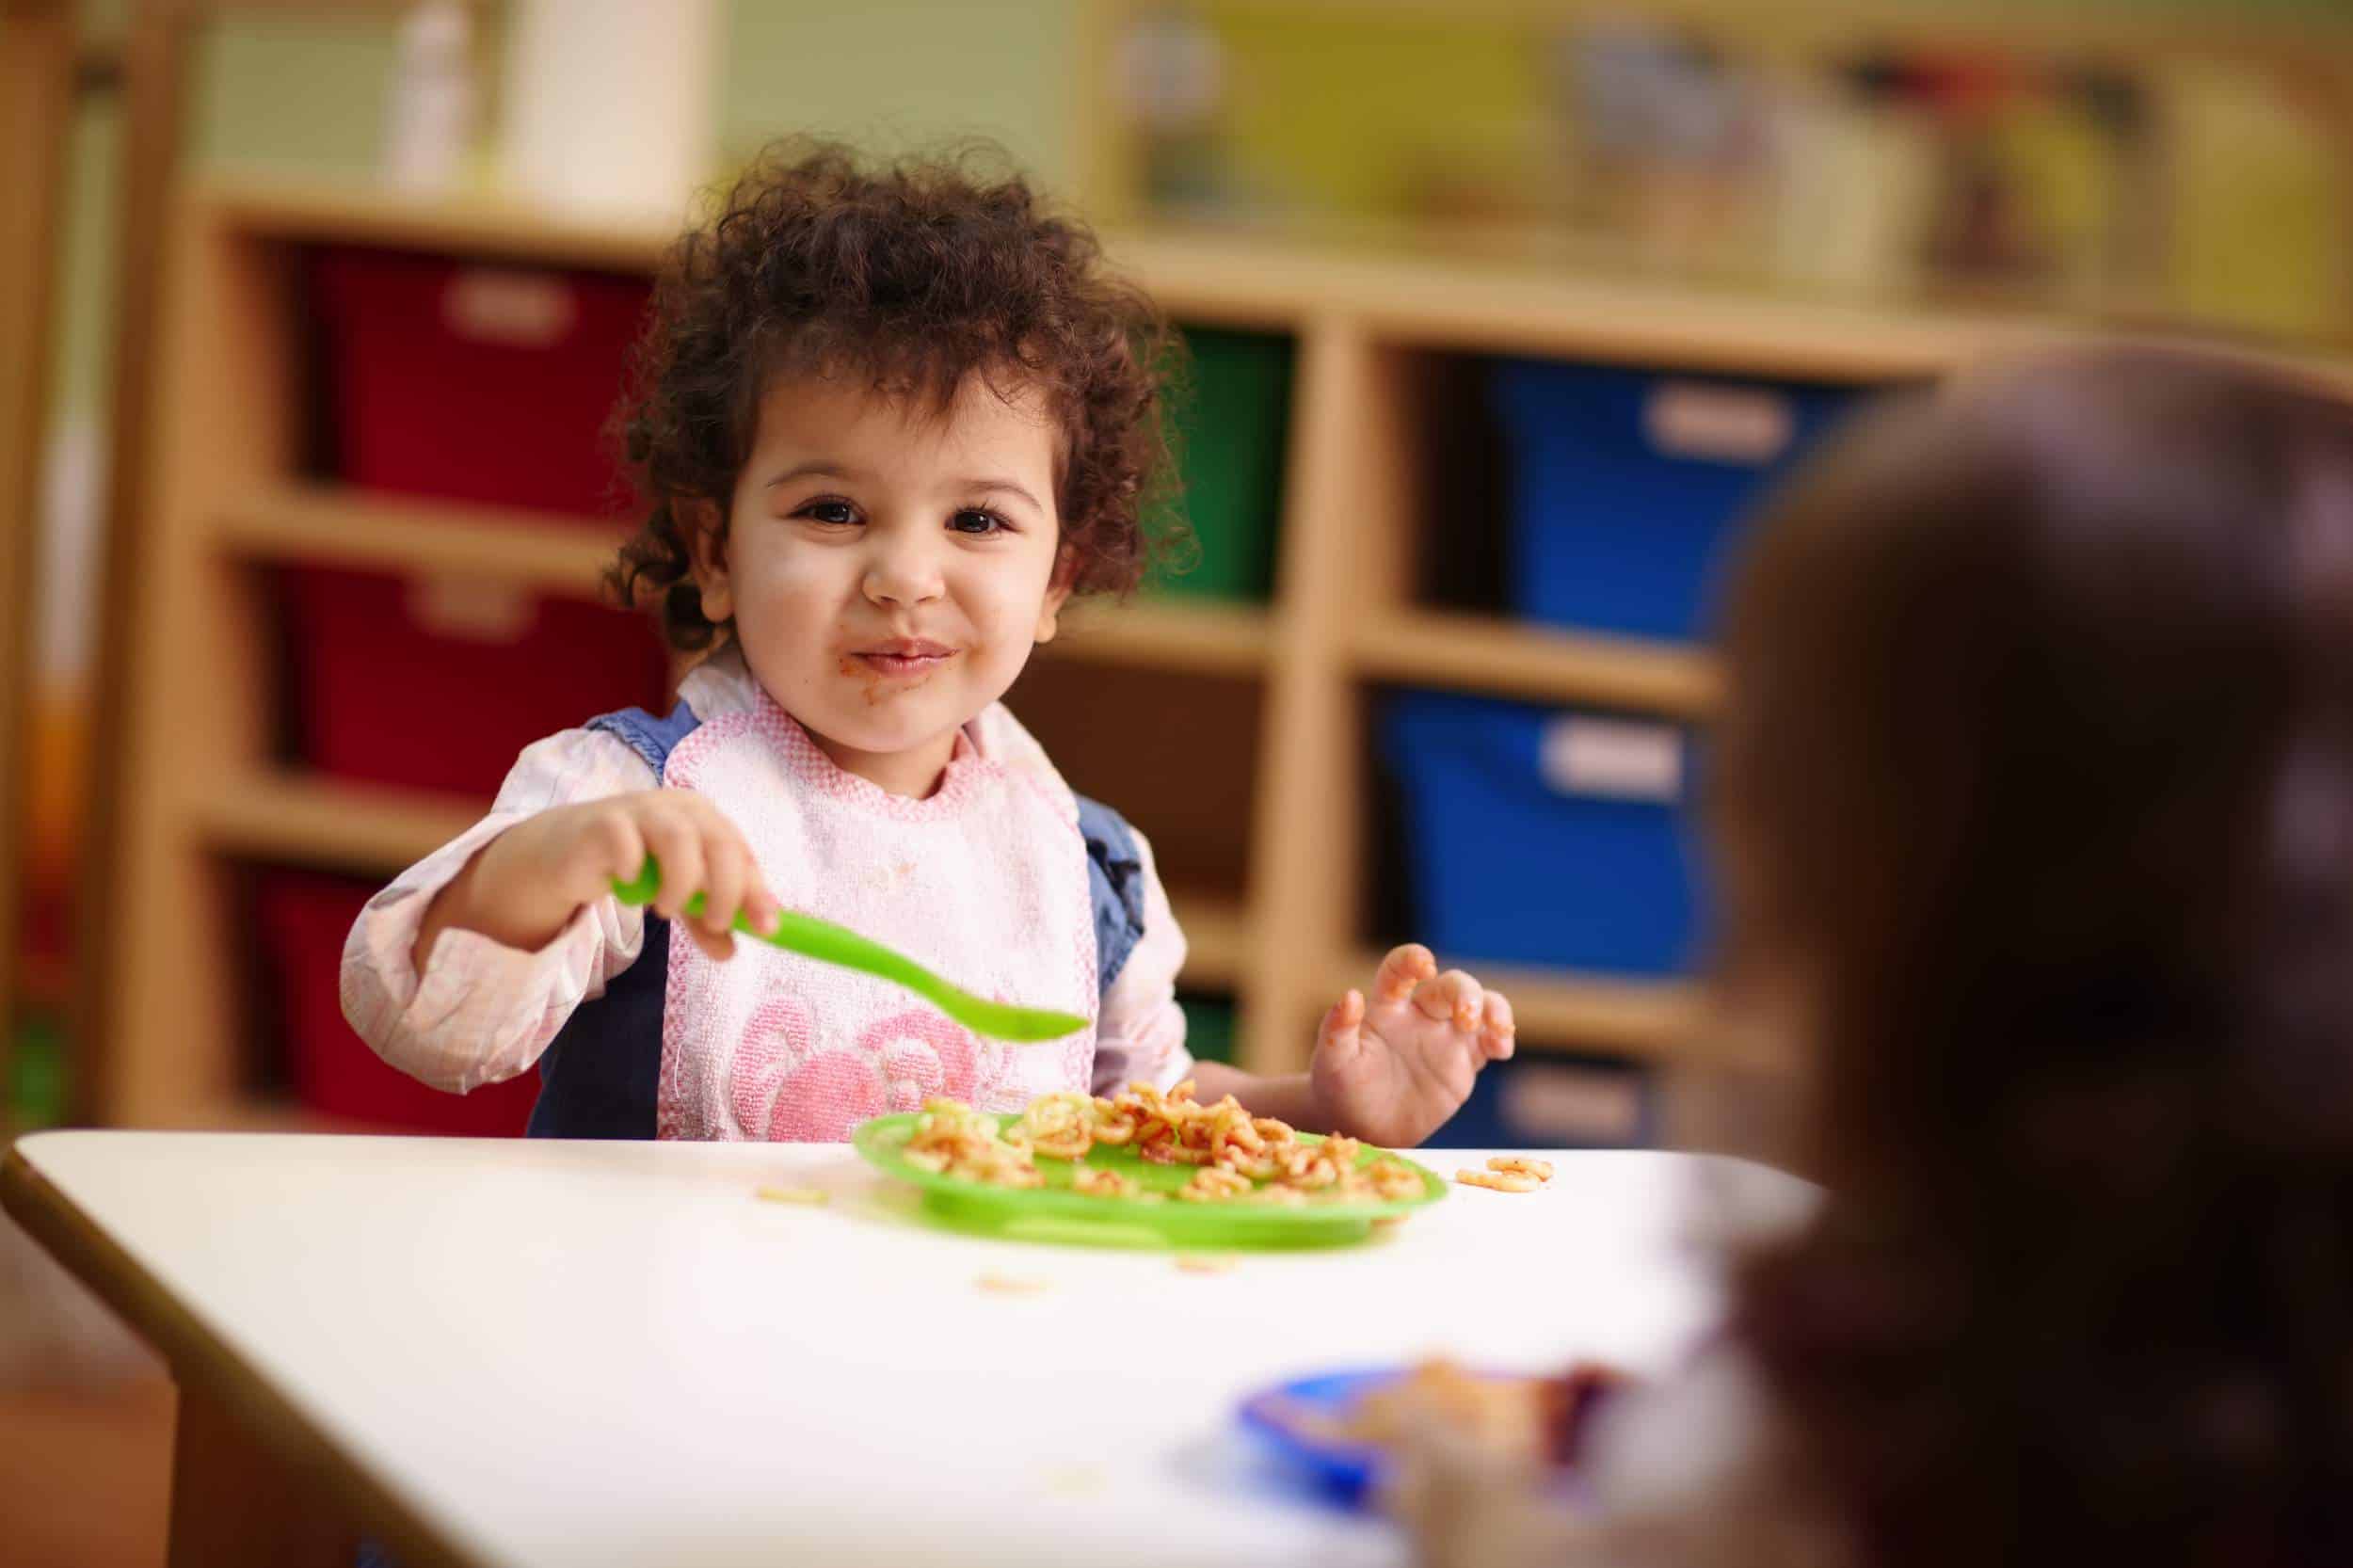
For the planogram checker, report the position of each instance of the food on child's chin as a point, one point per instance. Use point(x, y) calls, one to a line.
point(1536, 1420)
point(807, 1198)
point(1240, 1157)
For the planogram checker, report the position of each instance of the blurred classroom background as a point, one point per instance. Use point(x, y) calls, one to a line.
point(1499, 314)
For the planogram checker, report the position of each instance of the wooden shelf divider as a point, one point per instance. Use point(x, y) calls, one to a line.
point(1511, 659)
point(335, 525)
point(367, 829)
point(1198, 636)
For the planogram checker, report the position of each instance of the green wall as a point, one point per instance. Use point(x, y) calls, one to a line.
point(304, 95)
point(901, 74)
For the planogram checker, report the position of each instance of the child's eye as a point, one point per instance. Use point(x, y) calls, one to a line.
point(978, 522)
point(837, 514)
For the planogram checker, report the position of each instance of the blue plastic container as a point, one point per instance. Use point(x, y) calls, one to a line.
point(1625, 485)
point(1545, 836)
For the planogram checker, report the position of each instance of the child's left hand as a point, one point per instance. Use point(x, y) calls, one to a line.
point(1392, 1073)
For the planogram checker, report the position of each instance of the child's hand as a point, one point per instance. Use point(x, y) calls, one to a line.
point(527, 882)
point(1393, 1072)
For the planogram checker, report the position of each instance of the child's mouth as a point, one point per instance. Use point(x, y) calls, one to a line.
point(904, 657)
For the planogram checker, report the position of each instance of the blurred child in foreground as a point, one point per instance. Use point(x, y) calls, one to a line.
point(2034, 828)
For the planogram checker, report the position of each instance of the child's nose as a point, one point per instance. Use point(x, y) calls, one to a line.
point(902, 573)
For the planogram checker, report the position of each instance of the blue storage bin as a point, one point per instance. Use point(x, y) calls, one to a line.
point(1534, 1102)
point(1623, 486)
point(1545, 836)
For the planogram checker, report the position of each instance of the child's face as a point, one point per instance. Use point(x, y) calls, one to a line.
point(888, 569)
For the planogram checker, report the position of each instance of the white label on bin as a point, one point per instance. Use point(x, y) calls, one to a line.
point(523, 310)
point(1725, 425)
point(470, 610)
point(1573, 1104)
point(1622, 759)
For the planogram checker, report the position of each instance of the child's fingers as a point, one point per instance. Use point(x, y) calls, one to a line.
point(1402, 970)
point(1496, 1038)
point(726, 867)
point(1453, 996)
point(674, 842)
point(761, 906)
point(724, 843)
point(718, 946)
point(1342, 1034)
point(617, 848)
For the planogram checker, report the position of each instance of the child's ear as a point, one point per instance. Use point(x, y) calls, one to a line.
point(1050, 612)
point(1057, 595)
point(706, 532)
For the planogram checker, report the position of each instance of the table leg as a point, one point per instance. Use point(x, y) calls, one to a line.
point(233, 1505)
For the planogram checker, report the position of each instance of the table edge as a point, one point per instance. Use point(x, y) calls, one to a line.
point(198, 1359)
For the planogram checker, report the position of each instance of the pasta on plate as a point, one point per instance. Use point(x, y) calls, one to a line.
point(1237, 1157)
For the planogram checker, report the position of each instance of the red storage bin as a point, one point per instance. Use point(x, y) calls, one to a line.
point(474, 382)
point(301, 918)
point(437, 683)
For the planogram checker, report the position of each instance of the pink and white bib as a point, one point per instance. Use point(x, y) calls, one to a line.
point(985, 883)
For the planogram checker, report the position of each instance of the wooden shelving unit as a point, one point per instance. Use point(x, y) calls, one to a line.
point(225, 494)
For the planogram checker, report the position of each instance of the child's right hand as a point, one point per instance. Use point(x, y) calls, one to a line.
point(525, 886)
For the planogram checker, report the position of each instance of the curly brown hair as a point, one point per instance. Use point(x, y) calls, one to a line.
point(917, 275)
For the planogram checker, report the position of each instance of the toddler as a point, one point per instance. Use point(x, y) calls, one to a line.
point(889, 422)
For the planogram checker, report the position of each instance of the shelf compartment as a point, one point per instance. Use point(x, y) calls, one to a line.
point(1175, 753)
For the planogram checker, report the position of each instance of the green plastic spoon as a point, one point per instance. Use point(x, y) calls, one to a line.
point(831, 944)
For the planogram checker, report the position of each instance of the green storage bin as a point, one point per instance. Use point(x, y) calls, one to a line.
point(1232, 430)
point(1208, 1029)
point(34, 1093)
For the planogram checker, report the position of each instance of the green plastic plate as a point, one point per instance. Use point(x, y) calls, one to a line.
point(1055, 1213)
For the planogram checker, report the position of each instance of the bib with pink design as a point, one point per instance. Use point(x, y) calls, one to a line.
point(986, 882)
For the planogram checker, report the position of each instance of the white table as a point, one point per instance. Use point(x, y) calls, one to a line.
point(537, 1352)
